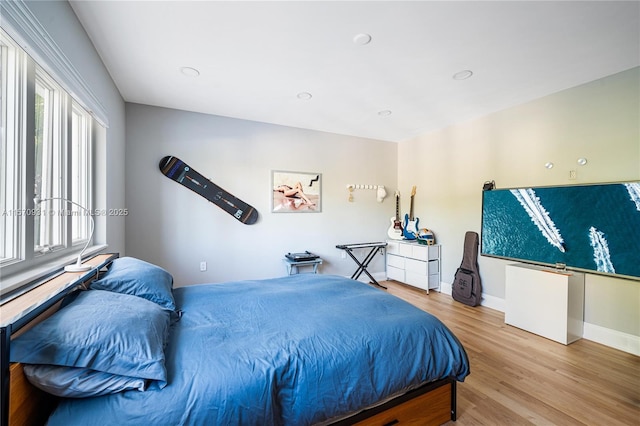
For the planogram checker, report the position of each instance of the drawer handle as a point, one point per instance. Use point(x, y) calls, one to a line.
point(392, 422)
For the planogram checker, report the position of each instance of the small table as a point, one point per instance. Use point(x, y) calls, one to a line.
point(294, 265)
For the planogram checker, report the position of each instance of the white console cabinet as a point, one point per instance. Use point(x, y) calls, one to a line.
point(415, 264)
point(545, 301)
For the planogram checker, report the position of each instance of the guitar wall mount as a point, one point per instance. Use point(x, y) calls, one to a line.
point(381, 193)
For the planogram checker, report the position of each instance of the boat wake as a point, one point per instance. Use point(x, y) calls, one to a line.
point(531, 204)
point(601, 255)
point(634, 193)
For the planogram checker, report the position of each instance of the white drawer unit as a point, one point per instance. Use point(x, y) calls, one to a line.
point(544, 301)
point(415, 264)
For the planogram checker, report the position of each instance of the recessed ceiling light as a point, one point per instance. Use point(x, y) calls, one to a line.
point(582, 161)
point(362, 39)
point(189, 71)
point(548, 165)
point(462, 75)
point(305, 96)
point(384, 113)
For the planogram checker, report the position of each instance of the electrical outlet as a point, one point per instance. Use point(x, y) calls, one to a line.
point(572, 174)
point(203, 266)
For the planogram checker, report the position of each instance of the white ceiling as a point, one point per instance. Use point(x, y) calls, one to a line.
point(255, 57)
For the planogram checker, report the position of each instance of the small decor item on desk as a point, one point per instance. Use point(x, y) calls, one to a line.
point(490, 184)
point(301, 257)
point(426, 237)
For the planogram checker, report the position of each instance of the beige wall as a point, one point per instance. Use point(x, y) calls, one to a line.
point(599, 120)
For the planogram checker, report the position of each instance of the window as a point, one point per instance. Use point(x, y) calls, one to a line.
point(6, 183)
point(12, 91)
point(46, 140)
point(81, 182)
point(48, 172)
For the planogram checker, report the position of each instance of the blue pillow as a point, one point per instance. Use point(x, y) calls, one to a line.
point(103, 331)
point(133, 276)
point(74, 382)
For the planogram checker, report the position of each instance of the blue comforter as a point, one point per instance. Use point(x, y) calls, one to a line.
point(297, 350)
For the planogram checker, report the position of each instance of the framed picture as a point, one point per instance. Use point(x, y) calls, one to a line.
point(298, 192)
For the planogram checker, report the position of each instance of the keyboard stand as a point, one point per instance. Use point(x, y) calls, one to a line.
point(362, 266)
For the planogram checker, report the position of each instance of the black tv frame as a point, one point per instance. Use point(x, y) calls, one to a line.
point(549, 253)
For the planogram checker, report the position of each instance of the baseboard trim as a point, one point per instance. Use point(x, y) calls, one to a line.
point(445, 288)
point(605, 336)
point(379, 276)
point(613, 338)
point(487, 300)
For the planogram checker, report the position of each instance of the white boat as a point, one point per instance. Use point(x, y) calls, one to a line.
point(539, 215)
point(633, 189)
point(601, 255)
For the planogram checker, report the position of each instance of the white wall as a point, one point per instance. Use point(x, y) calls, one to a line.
point(171, 226)
point(599, 120)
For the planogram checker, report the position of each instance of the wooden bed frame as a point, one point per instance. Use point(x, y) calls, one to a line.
point(24, 404)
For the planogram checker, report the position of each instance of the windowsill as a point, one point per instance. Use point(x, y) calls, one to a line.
point(15, 281)
point(50, 290)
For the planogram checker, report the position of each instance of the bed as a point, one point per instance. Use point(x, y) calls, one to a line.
point(304, 349)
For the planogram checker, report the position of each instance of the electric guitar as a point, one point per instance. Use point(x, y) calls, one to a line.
point(410, 229)
point(395, 230)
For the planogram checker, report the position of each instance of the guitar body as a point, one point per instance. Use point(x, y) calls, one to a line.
point(395, 230)
point(410, 231)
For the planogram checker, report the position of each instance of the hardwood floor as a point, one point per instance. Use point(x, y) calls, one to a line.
point(519, 378)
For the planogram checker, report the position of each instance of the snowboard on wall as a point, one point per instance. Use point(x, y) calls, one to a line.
point(179, 171)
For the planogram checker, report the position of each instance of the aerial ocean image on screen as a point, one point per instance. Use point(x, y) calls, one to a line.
point(592, 227)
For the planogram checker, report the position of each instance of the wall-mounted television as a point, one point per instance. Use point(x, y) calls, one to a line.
point(593, 228)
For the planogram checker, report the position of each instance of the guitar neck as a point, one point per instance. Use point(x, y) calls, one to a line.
point(413, 194)
point(411, 209)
